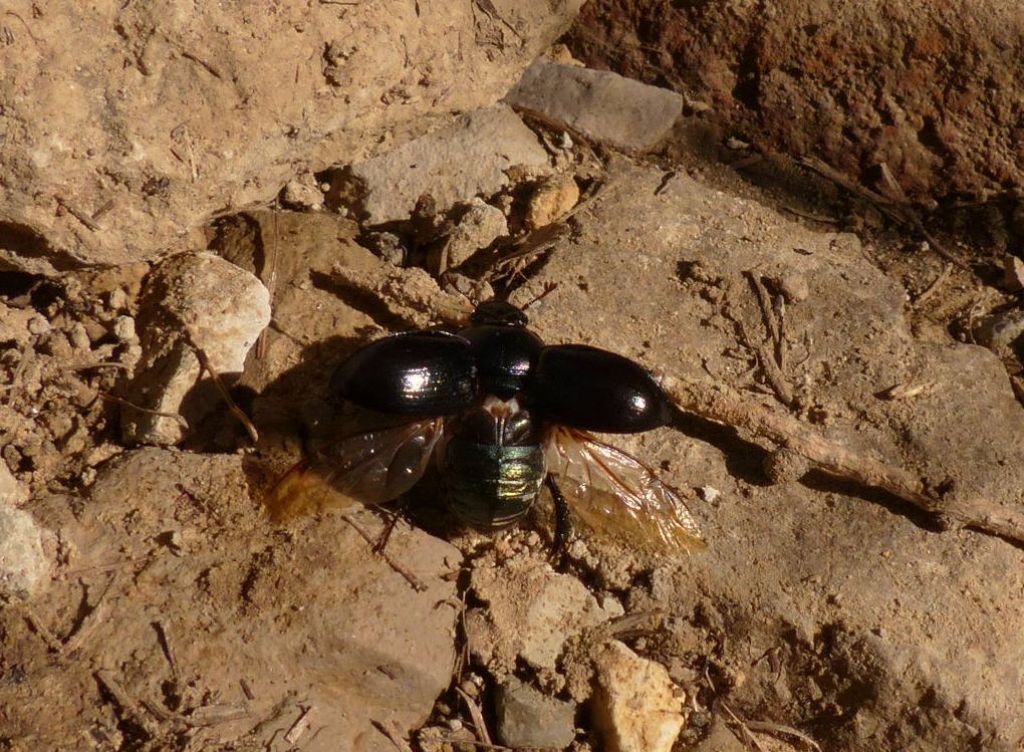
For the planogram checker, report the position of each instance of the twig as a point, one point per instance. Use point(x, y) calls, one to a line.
point(743, 727)
point(123, 401)
point(935, 285)
point(483, 745)
point(476, 715)
point(74, 641)
point(81, 216)
point(779, 729)
point(413, 581)
point(896, 208)
point(128, 703)
point(226, 396)
point(198, 60)
point(775, 429)
point(392, 735)
point(300, 726)
point(775, 378)
point(37, 626)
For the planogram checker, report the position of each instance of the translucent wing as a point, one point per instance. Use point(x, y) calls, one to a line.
point(617, 496)
point(355, 461)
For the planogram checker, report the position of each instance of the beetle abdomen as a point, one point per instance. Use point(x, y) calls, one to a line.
point(595, 390)
point(420, 373)
point(490, 486)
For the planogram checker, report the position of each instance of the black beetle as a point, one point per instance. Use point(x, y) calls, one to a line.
point(503, 413)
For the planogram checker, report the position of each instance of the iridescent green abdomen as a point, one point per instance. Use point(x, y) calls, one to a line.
point(491, 485)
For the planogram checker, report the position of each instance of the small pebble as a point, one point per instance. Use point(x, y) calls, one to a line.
point(124, 328)
point(79, 337)
point(117, 299)
point(23, 566)
point(709, 494)
point(38, 325)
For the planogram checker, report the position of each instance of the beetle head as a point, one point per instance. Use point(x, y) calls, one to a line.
point(498, 313)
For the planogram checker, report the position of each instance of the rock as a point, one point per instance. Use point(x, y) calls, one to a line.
point(479, 225)
point(527, 718)
point(11, 491)
point(720, 739)
point(387, 247)
point(123, 158)
point(785, 466)
point(124, 328)
point(304, 617)
point(303, 192)
point(23, 566)
point(551, 199)
point(452, 165)
point(1000, 331)
point(190, 302)
point(793, 286)
point(530, 613)
point(636, 707)
point(1013, 273)
point(603, 106)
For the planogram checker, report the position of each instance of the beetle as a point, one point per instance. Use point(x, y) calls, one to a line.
point(502, 414)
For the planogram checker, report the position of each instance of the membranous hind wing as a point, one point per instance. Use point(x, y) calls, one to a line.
point(357, 457)
point(617, 496)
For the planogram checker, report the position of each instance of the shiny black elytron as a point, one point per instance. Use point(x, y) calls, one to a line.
point(502, 413)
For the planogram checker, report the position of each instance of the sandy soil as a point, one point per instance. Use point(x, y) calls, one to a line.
point(172, 614)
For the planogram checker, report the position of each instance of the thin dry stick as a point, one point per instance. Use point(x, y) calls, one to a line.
point(128, 703)
point(744, 728)
point(476, 715)
point(95, 616)
point(41, 629)
point(779, 729)
point(123, 401)
point(226, 396)
point(409, 576)
point(778, 430)
point(927, 293)
point(898, 211)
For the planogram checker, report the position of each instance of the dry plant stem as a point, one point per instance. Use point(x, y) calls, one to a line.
point(128, 704)
point(478, 717)
point(226, 396)
point(133, 406)
point(775, 429)
point(780, 730)
point(409, 577)
point(899, 211)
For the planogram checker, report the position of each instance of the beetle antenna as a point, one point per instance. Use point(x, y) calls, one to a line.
point(549, 287)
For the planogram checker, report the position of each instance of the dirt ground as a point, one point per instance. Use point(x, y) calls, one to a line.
point(155, 606)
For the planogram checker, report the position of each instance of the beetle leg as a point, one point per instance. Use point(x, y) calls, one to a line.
point(563, 522)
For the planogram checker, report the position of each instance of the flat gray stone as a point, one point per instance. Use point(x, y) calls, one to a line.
point(600, 105)
point(455, 164)
point(528, 718)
